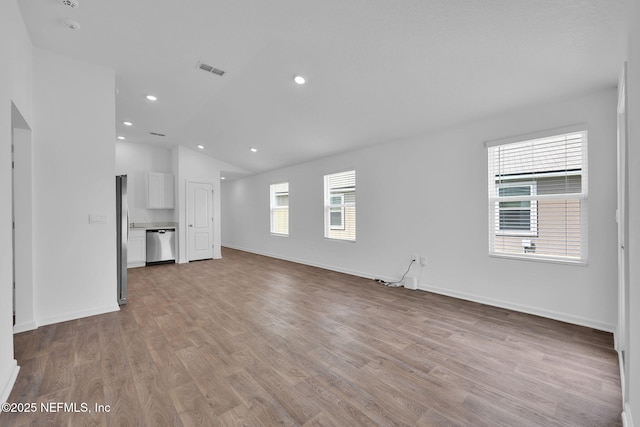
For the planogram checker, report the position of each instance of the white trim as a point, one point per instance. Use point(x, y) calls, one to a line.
point(576, 320)
point(73, 315)
point(273, 206)
point(340, 192)
point(622, 89)
point(335, 239)
point(314, 264)
point(622, 222)
point(623, 378)
point(627, 419)
point(581, 127)
point(11, 380)
point(24, 327)
point(495, 183)
point(554, 315)
point(539, 258)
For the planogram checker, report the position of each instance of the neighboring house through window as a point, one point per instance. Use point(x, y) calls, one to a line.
point(537, 198)
point(336, 212)
point(340, 205)
point(280, 208)
point(517, 217)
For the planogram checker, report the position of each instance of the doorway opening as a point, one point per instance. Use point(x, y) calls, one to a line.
point(22, 217)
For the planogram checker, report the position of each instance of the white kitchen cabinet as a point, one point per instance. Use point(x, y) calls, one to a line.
point(160, 191)
point(137, 248)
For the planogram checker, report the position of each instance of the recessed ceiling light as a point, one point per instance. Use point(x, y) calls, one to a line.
point(127, 123)
point(71, 24)
point(121, 137)
point(299, 80)
point(254, 150)
point(201, 147)
point(222, 177)
point(152, 98)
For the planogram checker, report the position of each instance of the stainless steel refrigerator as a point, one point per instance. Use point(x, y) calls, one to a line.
point(122, 230)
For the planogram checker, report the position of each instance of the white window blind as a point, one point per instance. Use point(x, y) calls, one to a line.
point(280, 208)
point(537, 198)
point(340, 206)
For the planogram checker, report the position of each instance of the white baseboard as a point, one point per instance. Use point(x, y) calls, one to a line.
point(5, 391)
point(24, 327)
point(623, 375)
point(563, 317)
point(313, 264)
point(64, 317)
point(627, 419)
point(460, 295)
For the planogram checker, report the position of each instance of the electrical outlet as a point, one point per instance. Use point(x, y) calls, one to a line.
point(423, 261)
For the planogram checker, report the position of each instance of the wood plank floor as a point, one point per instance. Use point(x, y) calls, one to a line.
point(250, 340)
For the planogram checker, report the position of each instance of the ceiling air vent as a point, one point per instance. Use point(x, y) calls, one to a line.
point(157, 134)
point(209, 69)
point(73, 4)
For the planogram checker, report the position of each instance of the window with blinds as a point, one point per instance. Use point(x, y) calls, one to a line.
point(340, 206)
point(537, 198)
point(280, 208)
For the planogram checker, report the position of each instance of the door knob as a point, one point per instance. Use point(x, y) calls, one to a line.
point(190, 225)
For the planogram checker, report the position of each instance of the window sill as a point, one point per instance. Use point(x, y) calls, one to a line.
point(331, 239)
point(280, 234)
point(540, 258)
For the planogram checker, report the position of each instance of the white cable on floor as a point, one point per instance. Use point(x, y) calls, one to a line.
point(397, 283)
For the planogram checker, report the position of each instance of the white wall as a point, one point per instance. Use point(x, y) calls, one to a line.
point(74, 176)
point(632, 407)
point(189, 165)
point(136, 161)
point(428, 195)
point(15, 86)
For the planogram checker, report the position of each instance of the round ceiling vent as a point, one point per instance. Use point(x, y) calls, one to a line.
point(73, 4)
point(71, 24)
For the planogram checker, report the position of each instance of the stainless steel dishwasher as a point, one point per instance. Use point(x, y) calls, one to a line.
point(161, 244)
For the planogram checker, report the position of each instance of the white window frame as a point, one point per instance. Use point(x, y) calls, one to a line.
point(582, 197)
point(274, 207)
point(349, 234)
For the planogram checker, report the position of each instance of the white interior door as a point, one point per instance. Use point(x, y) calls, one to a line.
point(622, 340)
point(199, 221)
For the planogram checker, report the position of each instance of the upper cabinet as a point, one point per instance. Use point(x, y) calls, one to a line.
point(160, 191)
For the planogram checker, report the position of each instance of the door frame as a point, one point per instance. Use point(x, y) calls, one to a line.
point(22, 212)
point(622, 218)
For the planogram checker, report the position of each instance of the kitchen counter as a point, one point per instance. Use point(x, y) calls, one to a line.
point(153, 225)
point(137, 245)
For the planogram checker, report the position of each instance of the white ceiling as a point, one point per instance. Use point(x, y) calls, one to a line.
point(377, 70)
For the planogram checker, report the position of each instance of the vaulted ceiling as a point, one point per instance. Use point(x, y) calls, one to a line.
point(376, 70)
